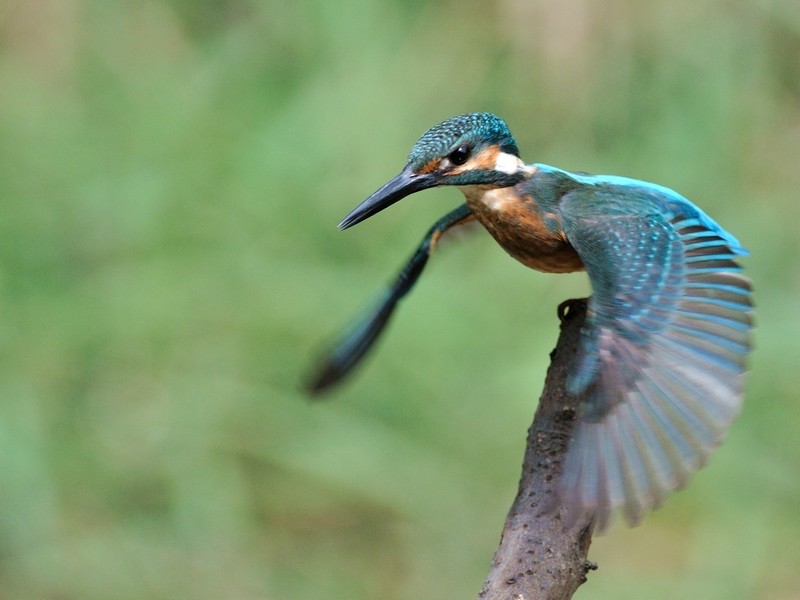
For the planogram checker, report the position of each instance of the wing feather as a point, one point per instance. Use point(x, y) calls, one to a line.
point(663, 352)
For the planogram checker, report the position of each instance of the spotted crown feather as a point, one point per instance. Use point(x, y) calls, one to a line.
point(441, 139)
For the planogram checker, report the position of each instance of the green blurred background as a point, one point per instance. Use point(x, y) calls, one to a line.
point(171, 176)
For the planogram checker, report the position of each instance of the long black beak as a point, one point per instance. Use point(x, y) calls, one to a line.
point(406, 183)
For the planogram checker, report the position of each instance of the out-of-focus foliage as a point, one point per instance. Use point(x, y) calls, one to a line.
point(171, 174)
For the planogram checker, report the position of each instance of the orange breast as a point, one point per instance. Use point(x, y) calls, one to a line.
point(532, 236)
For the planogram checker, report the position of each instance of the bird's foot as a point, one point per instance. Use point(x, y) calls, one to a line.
point(568, 308)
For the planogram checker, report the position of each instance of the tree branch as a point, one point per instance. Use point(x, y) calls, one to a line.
point(538, 558)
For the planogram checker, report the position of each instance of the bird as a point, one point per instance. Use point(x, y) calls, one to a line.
point(662, 357)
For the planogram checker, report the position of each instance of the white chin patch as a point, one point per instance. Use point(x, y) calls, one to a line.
point(507, 163)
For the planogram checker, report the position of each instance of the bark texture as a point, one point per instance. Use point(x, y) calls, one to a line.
point(538, 558)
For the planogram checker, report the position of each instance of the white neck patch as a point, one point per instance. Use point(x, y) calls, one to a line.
point(507, 163)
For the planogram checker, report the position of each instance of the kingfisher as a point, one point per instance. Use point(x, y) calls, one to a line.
point(660, 366)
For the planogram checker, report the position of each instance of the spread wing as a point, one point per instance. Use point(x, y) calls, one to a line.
point(662, 358)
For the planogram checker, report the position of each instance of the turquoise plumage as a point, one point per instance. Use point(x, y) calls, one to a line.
point(662, 357)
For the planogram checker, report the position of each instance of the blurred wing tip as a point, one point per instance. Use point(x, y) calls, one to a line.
point(599, 519)
point(626, 467)
point(321, 382)
point(315, 389)
point(582, 512)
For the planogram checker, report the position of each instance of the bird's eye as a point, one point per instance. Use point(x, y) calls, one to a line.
point(460, 155)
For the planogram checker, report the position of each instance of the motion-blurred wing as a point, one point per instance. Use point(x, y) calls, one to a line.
point(662, 359)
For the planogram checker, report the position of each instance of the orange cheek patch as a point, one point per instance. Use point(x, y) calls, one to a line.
point(487, 159)
point(431, 166)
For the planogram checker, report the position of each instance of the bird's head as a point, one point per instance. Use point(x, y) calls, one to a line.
point(472, 149)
